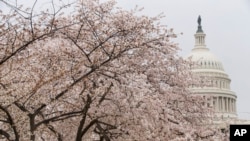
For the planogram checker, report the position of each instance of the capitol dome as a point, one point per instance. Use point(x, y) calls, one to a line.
point(218, 93)
point(205, 59)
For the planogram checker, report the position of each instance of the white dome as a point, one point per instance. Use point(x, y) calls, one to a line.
point(204, 59)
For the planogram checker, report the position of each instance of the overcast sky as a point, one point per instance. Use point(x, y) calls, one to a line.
point(227, 26)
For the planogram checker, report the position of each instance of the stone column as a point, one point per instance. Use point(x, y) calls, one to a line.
point(219, 107)
point(223, 105)
point(217, 104)
point(226, 108)
point(233, 105)
point(225, 99)
point(220, 104)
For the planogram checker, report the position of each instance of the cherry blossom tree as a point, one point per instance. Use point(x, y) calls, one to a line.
point(94, 71)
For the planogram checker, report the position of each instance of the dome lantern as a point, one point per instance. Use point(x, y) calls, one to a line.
point(200, 36)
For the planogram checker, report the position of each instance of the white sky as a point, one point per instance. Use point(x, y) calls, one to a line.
point(227, 26)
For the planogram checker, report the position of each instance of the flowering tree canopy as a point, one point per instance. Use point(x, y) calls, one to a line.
point(96, 71)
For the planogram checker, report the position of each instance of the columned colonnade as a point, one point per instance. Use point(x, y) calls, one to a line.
point(224, 104)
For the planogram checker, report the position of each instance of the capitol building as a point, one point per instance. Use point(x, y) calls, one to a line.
point(217, 91)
